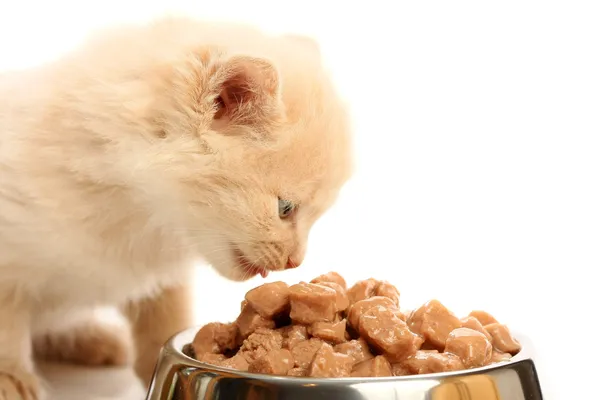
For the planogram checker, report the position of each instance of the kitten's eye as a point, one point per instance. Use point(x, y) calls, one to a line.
point(286, 208)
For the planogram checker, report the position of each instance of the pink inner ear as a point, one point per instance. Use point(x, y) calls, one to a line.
point(250, 81)
point(236, 91)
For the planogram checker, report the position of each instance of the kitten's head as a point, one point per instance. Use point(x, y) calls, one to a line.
point(258, 144)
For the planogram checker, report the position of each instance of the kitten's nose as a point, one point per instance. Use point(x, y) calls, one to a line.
point(291, 263)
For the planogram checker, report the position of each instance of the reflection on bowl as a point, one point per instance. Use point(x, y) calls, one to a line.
point(179, 377)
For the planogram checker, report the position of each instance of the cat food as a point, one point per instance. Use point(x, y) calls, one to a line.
point(473, 348)
point(322, 329)
point(376, 366)
point(328, 364)
point(311, 302)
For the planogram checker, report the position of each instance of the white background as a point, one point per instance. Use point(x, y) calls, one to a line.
point(477, 141)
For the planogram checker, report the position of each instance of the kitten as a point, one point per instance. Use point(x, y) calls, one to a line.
point(130, 157)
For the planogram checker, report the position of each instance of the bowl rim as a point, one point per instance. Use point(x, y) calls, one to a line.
point(175, 346)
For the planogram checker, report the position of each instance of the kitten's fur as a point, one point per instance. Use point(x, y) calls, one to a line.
point(120, 165)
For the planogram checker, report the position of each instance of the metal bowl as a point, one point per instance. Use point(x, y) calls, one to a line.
point(179, 377)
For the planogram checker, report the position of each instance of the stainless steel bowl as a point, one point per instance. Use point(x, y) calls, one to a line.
point(179, 377)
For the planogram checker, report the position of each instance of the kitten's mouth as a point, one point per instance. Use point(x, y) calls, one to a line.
point(248, 266)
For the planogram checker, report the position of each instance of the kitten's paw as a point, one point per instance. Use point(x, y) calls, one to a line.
point(19, 386)
point(96, 345)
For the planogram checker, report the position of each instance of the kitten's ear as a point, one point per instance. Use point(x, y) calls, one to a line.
point(249, 90)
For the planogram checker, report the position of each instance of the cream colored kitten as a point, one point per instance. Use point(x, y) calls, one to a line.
point(129, 158)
